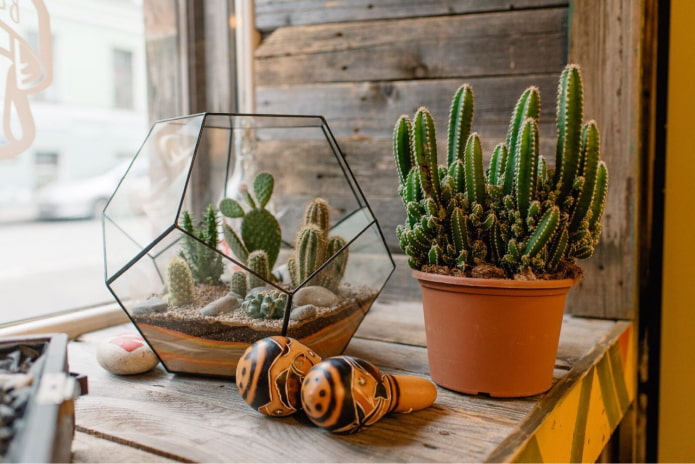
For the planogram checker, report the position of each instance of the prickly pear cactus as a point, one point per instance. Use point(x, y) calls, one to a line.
point(265, 305)
point(515, 218)
point(259, 228)
point(179, 282)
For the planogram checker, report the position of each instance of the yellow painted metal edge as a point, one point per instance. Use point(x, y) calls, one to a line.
point(575, 419)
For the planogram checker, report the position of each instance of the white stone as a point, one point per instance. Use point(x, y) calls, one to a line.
point(315, 295)
point(301, 313)
point(126, 354)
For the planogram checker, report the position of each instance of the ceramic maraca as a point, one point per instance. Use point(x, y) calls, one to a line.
point(270, 373)
point(344, 394)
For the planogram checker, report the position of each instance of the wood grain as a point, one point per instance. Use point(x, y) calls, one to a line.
point(439, 47)
point(271, 14)
point(204, 419)
point(371, 109)
point(610, 53)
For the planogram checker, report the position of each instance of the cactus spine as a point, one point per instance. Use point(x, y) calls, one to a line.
point(313, 247)
point(259, 228)
point(179, 282)
point(517, 215)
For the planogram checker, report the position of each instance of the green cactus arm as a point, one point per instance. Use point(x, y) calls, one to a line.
point(474, 172)
point(261, 231)
point(317, 212)
point(590, 147)
point(570, 102)
point(459, 230)
point(231, 208)
point(263, 186)
point(235, 244)
point(460, 121)
point(412, 190)
point(402, 135)
point(497, 242)
point(598, 200)
point(337, 257)
point(543, 233)
point(435, 255)
point(528, 106)
point(457, 174)
point(424, 147)
point(497, 162)
point(557, 250)
point(526, 158)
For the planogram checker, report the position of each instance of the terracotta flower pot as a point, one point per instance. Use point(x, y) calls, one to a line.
point(492, 336)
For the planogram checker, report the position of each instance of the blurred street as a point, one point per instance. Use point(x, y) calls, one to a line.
point(50, 266)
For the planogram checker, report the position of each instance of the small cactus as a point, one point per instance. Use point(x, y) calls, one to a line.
point(313, 247)
point(259, 265)
point(265, 305)
point(199, 245)
point(238, 283)
point(517, 217)
point(179, 282)
point(259, 228)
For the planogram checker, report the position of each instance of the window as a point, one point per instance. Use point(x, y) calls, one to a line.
point(123, 79)
point(51, 193)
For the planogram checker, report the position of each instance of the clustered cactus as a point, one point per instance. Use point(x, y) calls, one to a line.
point(313, 247)
point(199, 245)
point(259, 228)
point(517, 218)
point(179, 282)
point(268, 304)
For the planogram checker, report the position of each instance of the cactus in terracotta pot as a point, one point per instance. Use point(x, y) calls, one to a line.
point(517, 218)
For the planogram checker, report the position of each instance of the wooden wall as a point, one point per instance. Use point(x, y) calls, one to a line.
point(362, 64)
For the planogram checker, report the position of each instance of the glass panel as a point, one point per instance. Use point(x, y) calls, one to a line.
point(53, 190)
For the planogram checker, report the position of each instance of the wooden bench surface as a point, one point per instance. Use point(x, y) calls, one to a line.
point(160, 416)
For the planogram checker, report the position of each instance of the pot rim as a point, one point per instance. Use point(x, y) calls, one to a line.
point(493, 283)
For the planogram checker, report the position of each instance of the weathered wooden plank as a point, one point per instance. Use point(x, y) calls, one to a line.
point(203, 419)
point(371, 108)
point(609, 52)
point(271, 14)
point(90, 448)
point(517, 42)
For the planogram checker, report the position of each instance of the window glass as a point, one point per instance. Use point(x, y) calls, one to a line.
point(89, 122)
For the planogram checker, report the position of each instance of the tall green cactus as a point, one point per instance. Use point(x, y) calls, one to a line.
point(313, 247)
point(517, 215)
point(199, 247)
point(179, 282)
point(259, 228)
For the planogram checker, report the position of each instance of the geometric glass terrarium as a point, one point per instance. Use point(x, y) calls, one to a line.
point(228, 228)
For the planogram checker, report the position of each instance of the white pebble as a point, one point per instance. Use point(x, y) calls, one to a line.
point(126, 354)
point(315, 295)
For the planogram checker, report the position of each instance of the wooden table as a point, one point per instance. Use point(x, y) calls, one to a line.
point(164, 417)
